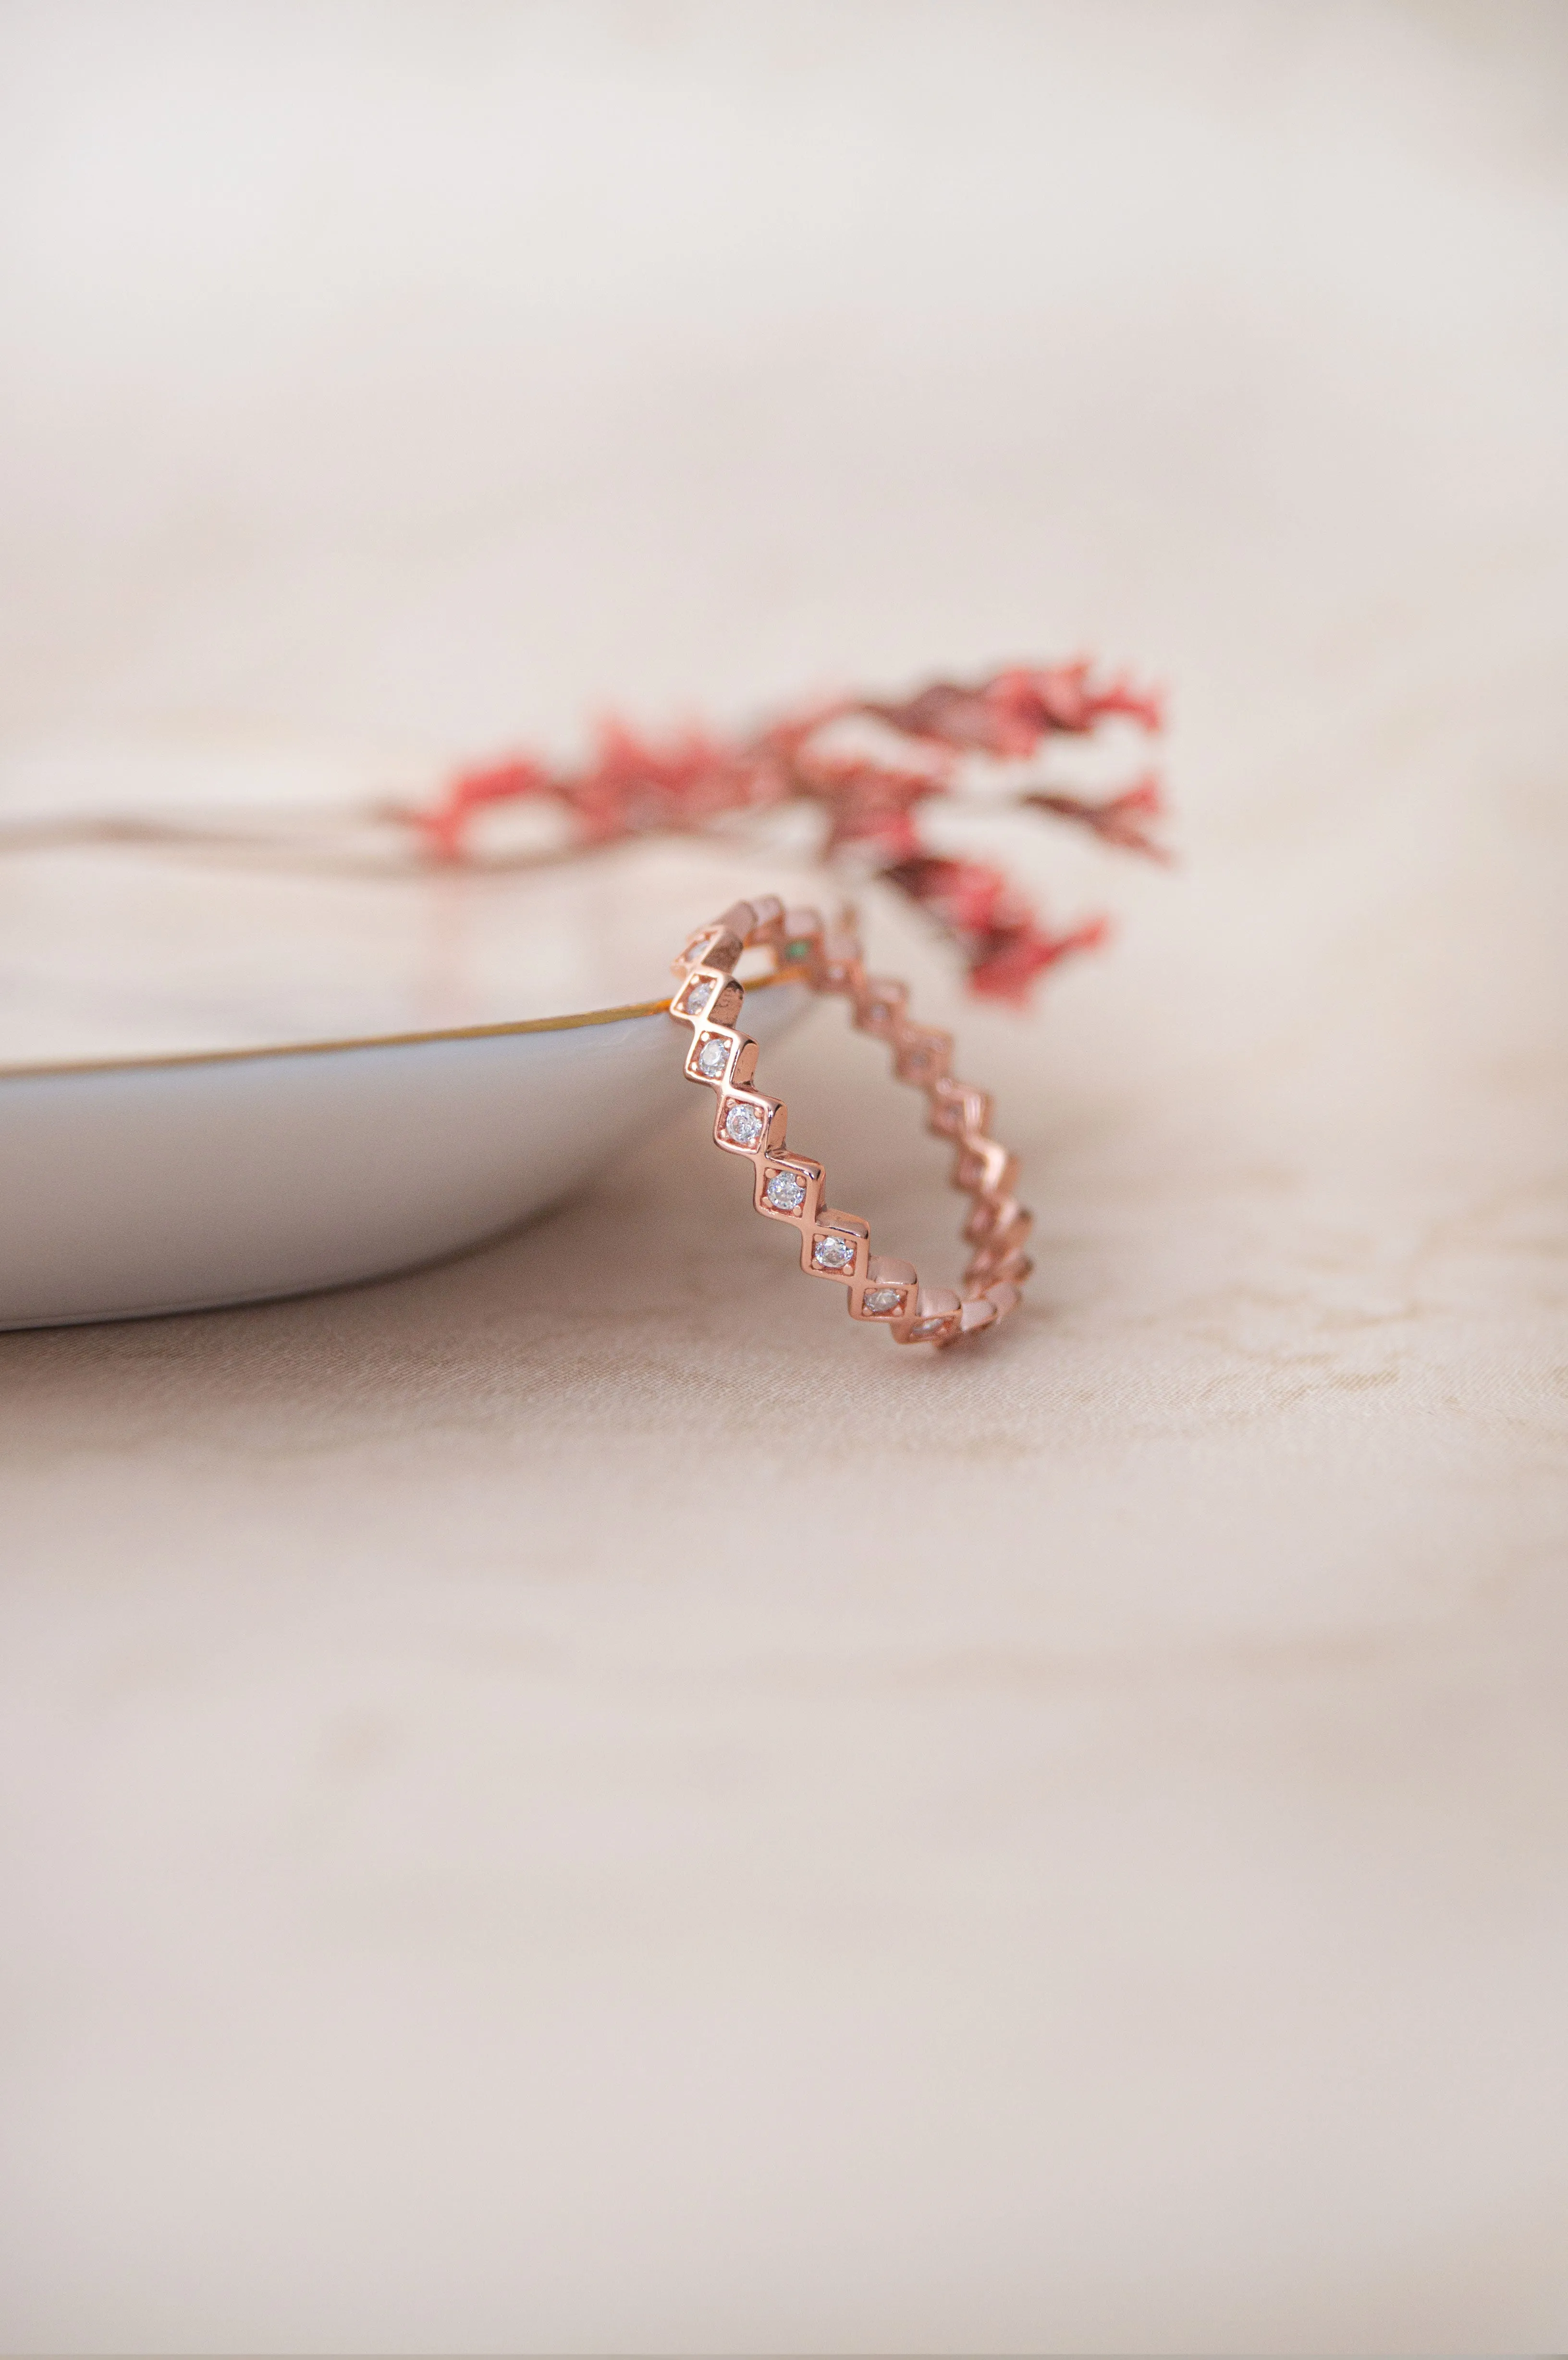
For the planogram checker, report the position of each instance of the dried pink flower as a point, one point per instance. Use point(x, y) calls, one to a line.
point(632, 786)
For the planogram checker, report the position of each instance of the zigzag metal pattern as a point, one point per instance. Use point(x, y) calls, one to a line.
point(790, 1187)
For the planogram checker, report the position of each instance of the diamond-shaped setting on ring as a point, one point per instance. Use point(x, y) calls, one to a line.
point(924, 1329)
point(785, 1190)
point(834, 1253)
point(695, 997)
point(744, 1125)
point(881, 1301)
point(713, 1056)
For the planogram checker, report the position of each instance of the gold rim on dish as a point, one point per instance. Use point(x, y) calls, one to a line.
point(370, 1041)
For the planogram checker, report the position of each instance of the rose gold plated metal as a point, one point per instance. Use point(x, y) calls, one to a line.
point(786, 1187)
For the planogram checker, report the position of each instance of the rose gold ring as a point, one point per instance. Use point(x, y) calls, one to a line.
point(788, 1187)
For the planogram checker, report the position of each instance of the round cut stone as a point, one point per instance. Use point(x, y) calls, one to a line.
point(745, 1124)
point(695, 996)
point(923, 1329)
point(880, 1300)
point(834, 1253)
point(713, 1056)
point(786, 1191)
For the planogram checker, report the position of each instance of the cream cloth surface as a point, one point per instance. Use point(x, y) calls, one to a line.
point(573, 1801)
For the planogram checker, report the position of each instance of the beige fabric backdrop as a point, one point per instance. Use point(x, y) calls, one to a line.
point(573, 1802)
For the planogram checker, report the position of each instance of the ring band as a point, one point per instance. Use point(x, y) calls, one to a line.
point(790, 1187)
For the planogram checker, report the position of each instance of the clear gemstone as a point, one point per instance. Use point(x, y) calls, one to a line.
point(696, 995)
point(786, 1191)
point(923, 1329)
point(834, 1253)
point(880, 1299)
point(696, 950)
point(745, 1124)
point(713, 1056)
point(879, 1011)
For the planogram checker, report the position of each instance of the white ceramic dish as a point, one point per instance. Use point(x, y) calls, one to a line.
point(154, 1184)
point(157, 1152)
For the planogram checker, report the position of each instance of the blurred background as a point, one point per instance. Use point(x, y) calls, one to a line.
point(1092, 1880)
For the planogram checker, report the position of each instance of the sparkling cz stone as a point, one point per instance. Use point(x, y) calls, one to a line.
point(745, 1125)
point(786, 1191)
point(695, 997)
point(713, 1056)
point(923, 1329)
point(834, 1253)
point(880, 1299)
